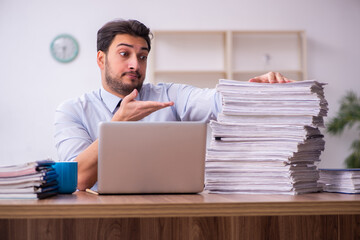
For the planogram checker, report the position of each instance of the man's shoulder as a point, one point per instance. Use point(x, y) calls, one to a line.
point(175, 89)
point(81, 101)
point(163, 86)
point(148, 85)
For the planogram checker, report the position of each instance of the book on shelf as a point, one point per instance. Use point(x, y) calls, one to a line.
point(266, 139)
point(31, 180)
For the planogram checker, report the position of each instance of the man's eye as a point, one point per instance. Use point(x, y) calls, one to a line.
point(123, 54)
point(143, 58)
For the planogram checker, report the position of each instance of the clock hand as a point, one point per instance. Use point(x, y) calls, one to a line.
point(64, 50)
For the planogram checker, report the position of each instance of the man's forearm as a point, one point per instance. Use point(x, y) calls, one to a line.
point(87, 166)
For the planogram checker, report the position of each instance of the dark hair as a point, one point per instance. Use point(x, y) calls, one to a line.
point(107, 33)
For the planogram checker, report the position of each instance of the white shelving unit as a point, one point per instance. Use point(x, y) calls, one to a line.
point(201, 58)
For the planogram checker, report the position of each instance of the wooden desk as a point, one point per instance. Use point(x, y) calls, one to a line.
point(202, 216)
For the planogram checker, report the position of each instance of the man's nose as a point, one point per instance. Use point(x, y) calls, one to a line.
point(134, 63)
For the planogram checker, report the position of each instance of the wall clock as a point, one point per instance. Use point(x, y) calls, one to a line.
point(64, 48)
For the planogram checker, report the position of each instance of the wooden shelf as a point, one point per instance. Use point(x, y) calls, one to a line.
point(190, 71)
point(192, 57)
point(274, 70)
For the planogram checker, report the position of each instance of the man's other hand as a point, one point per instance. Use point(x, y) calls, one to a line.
point(271, 77)
point(133, 110)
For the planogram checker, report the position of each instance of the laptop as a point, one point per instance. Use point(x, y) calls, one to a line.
point(151, 157)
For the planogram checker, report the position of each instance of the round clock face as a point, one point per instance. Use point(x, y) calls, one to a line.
point(64, 48)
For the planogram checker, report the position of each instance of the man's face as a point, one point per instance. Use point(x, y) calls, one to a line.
point(125, 64)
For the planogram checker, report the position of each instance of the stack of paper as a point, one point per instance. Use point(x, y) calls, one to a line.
point(267, 138)
point(32, 180)
point(340, 180)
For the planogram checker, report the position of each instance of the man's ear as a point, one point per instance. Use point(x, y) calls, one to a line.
point(101, 59)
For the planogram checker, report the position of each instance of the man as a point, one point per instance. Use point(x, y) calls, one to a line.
point(123, 47)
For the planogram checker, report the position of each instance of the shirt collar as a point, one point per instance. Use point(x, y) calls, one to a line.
point(110, 100)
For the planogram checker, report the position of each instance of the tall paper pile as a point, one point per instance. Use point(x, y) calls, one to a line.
point(267, 138)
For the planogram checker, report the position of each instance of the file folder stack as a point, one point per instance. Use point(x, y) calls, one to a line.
point(32, 180)
point(266, 138)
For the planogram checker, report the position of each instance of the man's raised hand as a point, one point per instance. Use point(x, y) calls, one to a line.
point(133, 110)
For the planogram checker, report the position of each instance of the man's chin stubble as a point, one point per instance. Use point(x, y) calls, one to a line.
point(121, 88)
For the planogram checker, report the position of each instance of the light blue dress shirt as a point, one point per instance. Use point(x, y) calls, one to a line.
point(76, 120)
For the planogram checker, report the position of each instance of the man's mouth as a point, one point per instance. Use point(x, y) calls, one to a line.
point(132, 75)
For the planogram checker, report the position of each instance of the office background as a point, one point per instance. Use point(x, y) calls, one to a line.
point(33, 83)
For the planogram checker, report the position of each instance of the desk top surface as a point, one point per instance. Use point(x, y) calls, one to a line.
point(86, 205)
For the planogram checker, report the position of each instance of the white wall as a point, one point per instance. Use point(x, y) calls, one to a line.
point(33, 84)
